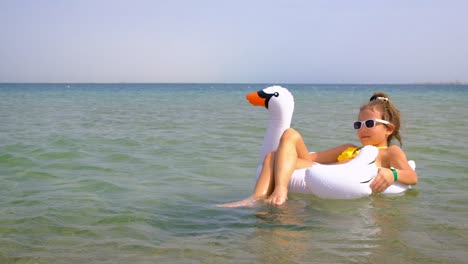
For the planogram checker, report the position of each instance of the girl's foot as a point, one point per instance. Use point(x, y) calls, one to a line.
point(247, 202)
point(278, 197)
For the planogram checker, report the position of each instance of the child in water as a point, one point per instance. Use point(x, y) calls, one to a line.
point(378, 125)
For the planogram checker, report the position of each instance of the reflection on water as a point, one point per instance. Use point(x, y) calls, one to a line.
point(355, 231)
point(280, 233)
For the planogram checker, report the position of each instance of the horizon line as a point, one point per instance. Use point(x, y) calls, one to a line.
point(251, 83)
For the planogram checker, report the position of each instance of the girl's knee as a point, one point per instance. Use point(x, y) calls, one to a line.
point(290, 134)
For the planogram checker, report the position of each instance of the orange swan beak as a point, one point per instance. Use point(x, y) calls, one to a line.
point(255, 99)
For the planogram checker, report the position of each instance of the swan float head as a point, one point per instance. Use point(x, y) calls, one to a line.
point(278, 100)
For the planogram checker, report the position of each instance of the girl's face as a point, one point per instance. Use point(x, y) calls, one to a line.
point(377, 135)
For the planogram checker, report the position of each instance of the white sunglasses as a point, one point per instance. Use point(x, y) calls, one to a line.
point(369, 123)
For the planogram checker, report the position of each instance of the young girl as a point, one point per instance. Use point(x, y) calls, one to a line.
point(378, 124)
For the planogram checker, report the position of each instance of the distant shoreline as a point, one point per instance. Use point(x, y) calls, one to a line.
point(442, 83)
point(456, 83)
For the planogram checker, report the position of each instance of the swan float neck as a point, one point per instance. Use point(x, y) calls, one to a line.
point(280, 103)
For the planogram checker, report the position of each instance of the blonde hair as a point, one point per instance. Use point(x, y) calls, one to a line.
point(381, 102)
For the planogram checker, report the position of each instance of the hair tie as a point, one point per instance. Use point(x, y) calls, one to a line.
point(383, 99)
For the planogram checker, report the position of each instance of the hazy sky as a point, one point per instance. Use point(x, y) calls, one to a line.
point(246, 41)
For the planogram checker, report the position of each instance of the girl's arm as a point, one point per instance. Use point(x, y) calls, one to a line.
point(406, 175)
point(329, 156)
point(385, 177)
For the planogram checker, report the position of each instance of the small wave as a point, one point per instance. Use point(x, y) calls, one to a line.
point(13, 161)
point(92, 185)
point(37, 175)
point(58, 155)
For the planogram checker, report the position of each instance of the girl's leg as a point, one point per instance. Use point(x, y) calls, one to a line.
point(265, 182)
point(294, 155)
point(291, 154)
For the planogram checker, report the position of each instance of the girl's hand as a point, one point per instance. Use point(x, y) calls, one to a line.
point(383, 179)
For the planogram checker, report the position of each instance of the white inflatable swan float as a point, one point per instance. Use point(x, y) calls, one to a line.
point(349, 180)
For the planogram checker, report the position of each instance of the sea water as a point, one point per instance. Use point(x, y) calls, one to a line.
point(130, 173)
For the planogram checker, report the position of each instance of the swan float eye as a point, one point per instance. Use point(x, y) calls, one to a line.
point(267, 96)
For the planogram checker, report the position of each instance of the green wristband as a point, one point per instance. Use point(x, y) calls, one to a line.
point(395, 174)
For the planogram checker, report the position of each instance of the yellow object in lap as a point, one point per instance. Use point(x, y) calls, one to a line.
point(349, 153)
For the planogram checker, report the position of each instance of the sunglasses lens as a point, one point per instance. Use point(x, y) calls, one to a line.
point(357, 125)
point(370, 123)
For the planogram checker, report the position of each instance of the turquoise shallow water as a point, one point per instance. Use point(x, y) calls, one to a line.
point(119, 173)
